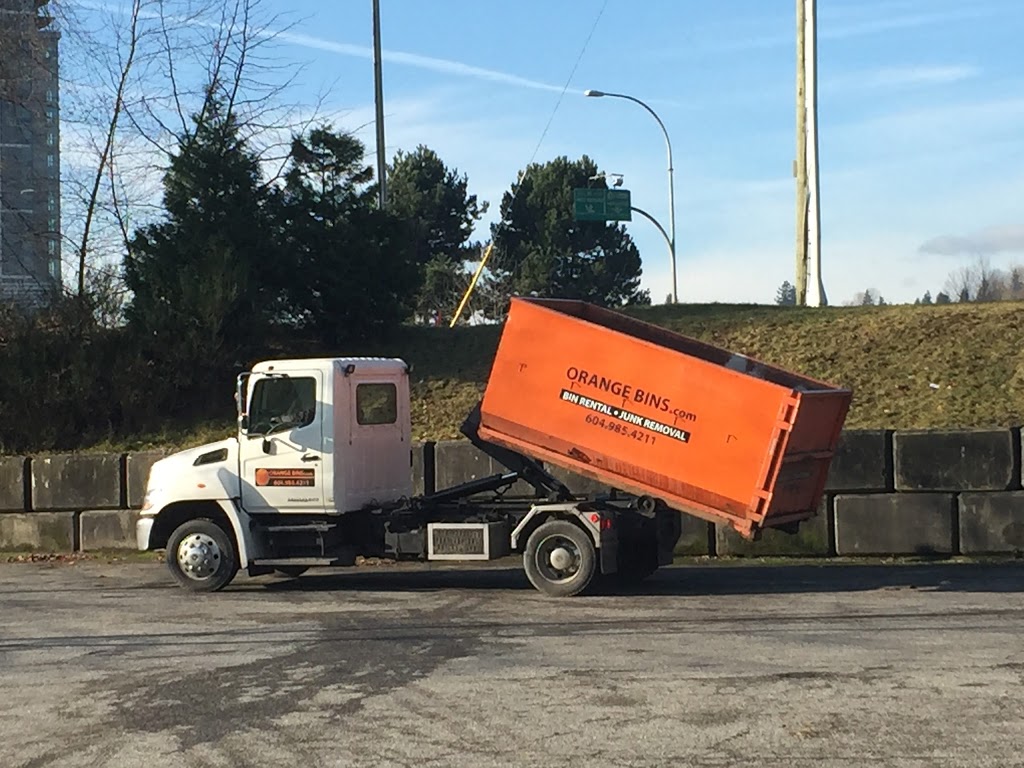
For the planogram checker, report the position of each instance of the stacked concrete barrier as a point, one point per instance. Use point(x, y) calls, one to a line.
point(71, 502)
point(936, 493)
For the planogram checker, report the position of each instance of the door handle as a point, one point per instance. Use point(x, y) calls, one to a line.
point(311, 457)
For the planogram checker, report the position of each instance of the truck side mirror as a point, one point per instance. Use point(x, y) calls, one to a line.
point(266, 445)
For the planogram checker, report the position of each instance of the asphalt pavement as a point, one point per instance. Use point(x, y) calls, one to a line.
point(718, 665)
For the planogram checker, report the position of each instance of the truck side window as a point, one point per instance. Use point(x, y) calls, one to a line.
point(279, 403)
point(376, 404)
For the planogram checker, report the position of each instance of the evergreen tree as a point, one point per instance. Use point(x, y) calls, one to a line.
point(434, 202)
point(206, 277)
point(785, 296)
point(354, 276)
point(541, 249)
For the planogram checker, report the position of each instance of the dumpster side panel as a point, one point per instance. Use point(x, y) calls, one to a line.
point(819, 421)
point(632, 412)
point(809, 451)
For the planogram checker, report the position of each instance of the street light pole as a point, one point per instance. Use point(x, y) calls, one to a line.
point(671, 185)
point(653, 221)
point(378, 98)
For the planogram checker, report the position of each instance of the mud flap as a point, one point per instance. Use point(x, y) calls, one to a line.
point(608, 552)
point(669, 527)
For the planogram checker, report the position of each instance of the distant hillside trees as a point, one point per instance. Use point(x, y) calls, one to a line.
point(980, 282)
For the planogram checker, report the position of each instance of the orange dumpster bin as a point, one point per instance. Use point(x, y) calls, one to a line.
point(654, 413)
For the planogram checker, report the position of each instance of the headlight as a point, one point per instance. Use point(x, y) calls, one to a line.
point(148, 500)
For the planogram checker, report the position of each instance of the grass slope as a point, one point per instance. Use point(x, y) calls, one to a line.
point(910, 367)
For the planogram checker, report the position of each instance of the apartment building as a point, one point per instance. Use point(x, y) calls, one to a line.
point(30, 233)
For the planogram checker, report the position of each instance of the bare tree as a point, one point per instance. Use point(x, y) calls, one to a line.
point(977, 282)
point(1015, 283)
point(138, 80)
point(104, 164)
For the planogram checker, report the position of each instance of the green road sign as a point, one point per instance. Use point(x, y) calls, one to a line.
point(601, 205)
point(618, 205)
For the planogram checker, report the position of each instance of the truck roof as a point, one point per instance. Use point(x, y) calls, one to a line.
point(374, 364)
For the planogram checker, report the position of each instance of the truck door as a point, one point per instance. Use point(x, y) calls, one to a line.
point(281, 454)
point(378, 468)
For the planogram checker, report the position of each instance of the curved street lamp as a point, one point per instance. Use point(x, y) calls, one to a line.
point(671, 189)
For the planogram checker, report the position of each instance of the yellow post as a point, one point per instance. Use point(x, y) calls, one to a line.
point(472, 285)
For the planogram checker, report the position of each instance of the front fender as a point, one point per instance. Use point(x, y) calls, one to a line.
point(154, 527)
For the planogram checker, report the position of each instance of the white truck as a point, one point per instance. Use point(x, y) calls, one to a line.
point(321, 474)
point(320, 470)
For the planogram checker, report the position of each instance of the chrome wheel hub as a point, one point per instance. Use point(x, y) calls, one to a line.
point(198, 556)
point(558, 558)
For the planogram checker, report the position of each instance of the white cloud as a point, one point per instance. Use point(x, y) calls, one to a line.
point(984, 243)
point(900, 77)
point(431, 63)
point(313, 42)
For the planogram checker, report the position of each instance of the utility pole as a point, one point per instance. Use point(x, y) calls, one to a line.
point(815, 287)
point(378, 97)
point(810, 289)
point(800, 165)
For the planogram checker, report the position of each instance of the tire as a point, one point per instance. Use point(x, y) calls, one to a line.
point(560, 539)
point(292, 571)
point(201, 556)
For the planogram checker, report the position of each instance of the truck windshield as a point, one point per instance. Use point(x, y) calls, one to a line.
point(282, 403)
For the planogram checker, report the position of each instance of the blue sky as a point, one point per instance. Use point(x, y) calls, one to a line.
point(921, 109)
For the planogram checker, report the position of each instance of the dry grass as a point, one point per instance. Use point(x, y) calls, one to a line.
point(910, 367)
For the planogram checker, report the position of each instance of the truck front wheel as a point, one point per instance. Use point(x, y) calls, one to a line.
point(560, 559)
point(201, 556)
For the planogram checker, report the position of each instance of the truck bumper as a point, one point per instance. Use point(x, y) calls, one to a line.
point(143, 527)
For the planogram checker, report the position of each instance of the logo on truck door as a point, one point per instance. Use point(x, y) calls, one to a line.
point(289, 478)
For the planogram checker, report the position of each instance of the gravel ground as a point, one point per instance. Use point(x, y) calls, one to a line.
point(915, 665)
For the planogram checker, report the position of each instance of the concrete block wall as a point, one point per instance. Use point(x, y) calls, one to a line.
point(936, 492)
point(889, 492)
point(72, 502)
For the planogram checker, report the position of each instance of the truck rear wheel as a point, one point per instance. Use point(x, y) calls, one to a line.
point(560, 559)
point(201, 556)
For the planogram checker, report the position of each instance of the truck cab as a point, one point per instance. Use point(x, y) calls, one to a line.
point(323, 436)
point(316, 439)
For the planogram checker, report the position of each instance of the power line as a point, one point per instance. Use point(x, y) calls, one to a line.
point(572, 74)
point(533, 157)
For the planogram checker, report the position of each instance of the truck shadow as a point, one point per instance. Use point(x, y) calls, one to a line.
point(701, 580)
